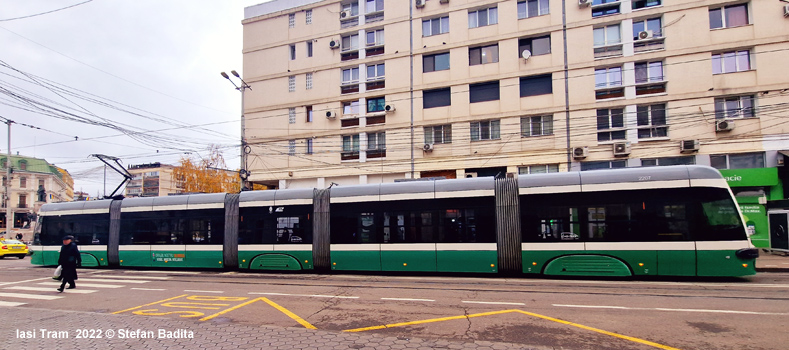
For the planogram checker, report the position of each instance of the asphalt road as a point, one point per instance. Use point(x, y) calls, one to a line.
point(750, 313)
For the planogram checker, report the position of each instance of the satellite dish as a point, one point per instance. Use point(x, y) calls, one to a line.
point(526, 54)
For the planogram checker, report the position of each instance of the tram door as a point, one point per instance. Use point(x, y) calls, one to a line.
point(779, 227)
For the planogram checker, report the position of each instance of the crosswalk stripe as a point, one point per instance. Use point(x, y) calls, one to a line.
point(43, 289)
point(91, 285)
point(10, 303)
point(109, 280)
point(30, 296)
point(133, 277)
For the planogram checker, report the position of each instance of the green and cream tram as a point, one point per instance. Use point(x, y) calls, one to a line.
point(674, 221)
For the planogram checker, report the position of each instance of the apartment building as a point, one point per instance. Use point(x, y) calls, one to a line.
point(152, 180)
point(372, 91)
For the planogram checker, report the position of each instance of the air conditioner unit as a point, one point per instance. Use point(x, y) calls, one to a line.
point(346, 14)
point(622, 148)
point(724, 125)
point(420, 3)
point(334, 44)
point(428, 147)
point(389, 108)
point(786, 10)
point(584, 3)
point(526, 54)
point(645, 34)
point(470, 175)
point(580, 152)
point(689, 146)
point(443, 1)
point(331, 114)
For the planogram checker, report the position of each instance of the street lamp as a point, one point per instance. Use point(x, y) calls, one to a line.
point(244, 147)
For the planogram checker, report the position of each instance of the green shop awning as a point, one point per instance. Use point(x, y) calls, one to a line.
point(756, 177)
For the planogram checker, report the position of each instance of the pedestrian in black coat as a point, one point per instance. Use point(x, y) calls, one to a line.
point(69, 260)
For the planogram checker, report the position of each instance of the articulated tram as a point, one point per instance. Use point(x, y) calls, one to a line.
point(675, 221)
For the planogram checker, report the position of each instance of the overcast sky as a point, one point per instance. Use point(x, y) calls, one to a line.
point(134, 79)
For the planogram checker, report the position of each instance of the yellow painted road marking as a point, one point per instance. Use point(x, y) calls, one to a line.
point(633, 339)
point(230, 309)
point(149, 304)
point(290, 314)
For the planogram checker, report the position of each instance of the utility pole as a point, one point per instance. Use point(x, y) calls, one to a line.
point(244, 172)
point(9, 215)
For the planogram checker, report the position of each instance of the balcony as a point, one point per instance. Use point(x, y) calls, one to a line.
point(354, 155)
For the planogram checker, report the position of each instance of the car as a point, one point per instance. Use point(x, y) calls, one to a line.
point(12, 247)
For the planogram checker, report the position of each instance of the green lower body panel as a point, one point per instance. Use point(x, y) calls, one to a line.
point(723, 263)
point(587, 265)
point(676, 262)
point(356, 260)
point(38, 256)
point(204, 258)
point(140, 258)
point(410, 260)
point(467, 261)
point(275, 261)
point(168, 258)
point(88, 260)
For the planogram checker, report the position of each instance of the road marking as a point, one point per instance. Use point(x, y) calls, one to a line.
point(10, 303)
point(491, 302)
point(91, 285)
point(668, 309)
point(406, 299)
point(148, 289)
point(136, 277)
point(42, 289)
point(640, 283)
point(149, 304)
point(290, 314)
point(305, 295)
point(230, 309)
point(401, 324)
point(30, 296)
point(110, 281)
point(166, 272)
point(33, 280)
point(203, 291)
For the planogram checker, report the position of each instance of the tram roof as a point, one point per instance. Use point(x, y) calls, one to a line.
point(650, 177)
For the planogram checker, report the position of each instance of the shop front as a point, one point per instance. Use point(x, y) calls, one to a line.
point(753, 189)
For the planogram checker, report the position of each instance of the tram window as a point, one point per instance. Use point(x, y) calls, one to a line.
point(89, 229)
point(280, 225)
point(722, 222)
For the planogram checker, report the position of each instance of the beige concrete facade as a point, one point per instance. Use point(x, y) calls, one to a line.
point(641, 97)
point(152, 180)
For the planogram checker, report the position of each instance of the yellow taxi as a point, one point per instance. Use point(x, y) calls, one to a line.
point(12, 247)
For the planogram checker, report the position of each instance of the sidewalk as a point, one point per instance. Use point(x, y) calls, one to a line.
point(772, 262)
point(194, 335)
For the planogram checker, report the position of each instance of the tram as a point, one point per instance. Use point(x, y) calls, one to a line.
point(668, 221)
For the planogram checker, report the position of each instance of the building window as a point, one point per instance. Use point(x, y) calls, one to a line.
point(308, 17)
point(649, 78)
point(607, 41)
point(292, 52)
point(40, 183)
point(729, 16)
point(537, 126)
point(353, 7)
point(616, 164)
point(375, 71)
point(376, 145)
point(292, 83)
point(735, 107)
point(481, 92)
point(22, 164)
point(610, 124)
point(608, 82)
point(656, 42)
point(536, 85)
point(350, 80)
point(730, 62)
point(375, 37)
point(309, 114)
point(533, 8)
point(350, 147)
point(438, 134)
point(667, 161)
point(640, 4)
point(291, 20)
point(376, 104)
point(374, 6)
point(350, 107)
point(291, 147)
point(436, 62)
point(604, 7)
point(291, 115)
point(350, 43)
point(486, 130)
point(737, 161)
point(309, 81)
point(309, 48)
point(22, 201)
point(308, 144)
point(483, 55)
point(436, 98)
point(536, 46)
point(651, 121)
point(435, 26)
point(22, 182)
point(538, 169)
point(484, 17)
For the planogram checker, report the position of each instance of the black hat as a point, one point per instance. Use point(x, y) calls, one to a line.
point(68, 237)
